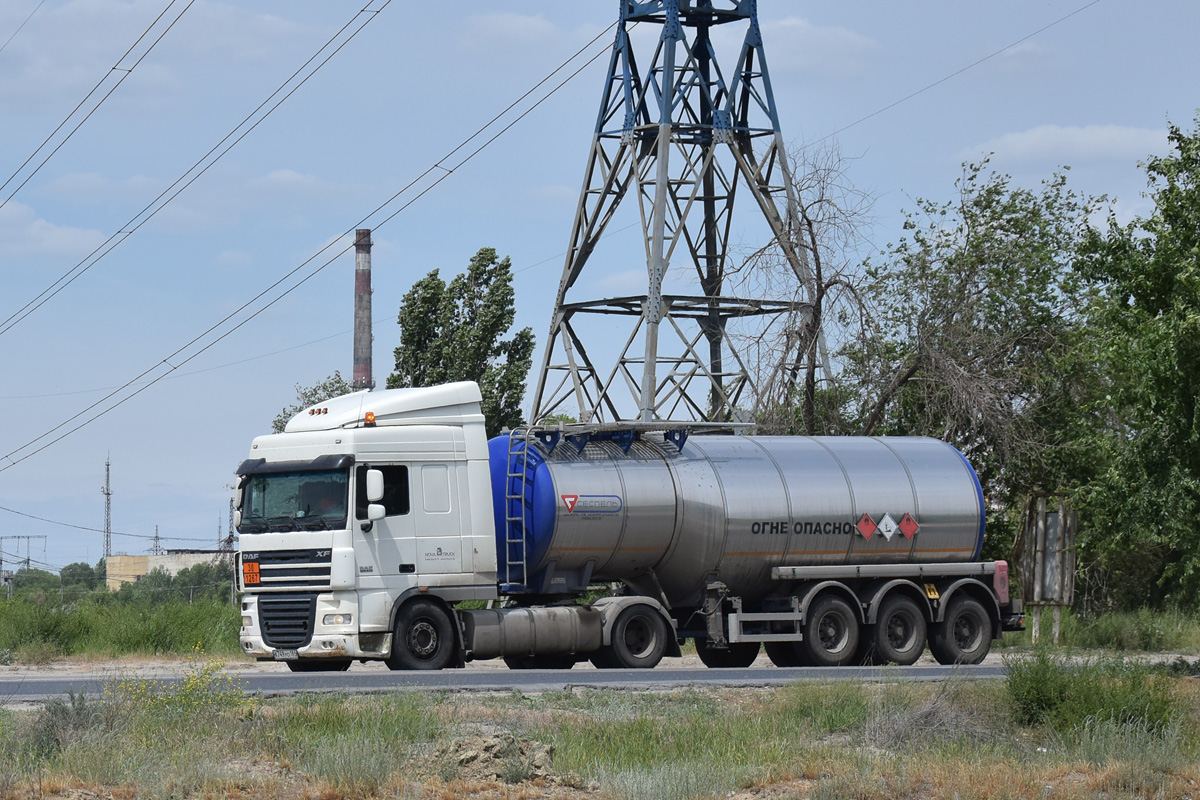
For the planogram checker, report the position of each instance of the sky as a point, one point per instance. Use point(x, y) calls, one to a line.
point(905, 91)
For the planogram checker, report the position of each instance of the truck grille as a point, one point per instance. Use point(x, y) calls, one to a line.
point(281, 570)
point(286, 620)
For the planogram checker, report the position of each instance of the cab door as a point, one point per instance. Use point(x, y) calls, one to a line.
point(389, 548)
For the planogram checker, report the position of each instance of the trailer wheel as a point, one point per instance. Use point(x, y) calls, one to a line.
point(738, 654)
point(639, 639)
point(555, 661)
point(424, 637)
point(321, 665)
point(900, 631)
point(830, 632)
point(964, 635)
point(784, 654)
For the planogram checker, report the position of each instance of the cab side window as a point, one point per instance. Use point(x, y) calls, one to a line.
point(395, 489)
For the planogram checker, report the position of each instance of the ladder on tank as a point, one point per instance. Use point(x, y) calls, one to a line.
point(516, 510)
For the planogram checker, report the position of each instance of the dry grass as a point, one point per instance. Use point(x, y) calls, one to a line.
point(951, 740)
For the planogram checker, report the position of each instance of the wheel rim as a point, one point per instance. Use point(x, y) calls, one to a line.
point(423, 639)
point(899, 631)
point(638, 637)
point(831, 631)
point(966, 633)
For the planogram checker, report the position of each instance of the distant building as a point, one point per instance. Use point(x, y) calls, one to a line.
point(130, 569)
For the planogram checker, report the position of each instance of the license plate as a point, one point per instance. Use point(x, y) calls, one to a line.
point(286, 655)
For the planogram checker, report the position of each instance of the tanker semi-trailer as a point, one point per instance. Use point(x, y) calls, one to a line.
point(384, 525)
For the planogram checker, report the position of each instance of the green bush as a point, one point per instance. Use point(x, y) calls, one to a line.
point(1049, 689)
point(103, 626)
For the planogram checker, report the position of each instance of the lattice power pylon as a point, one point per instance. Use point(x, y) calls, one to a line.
point(680, 137)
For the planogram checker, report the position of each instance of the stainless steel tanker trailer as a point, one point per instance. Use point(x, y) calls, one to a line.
point(383, 525)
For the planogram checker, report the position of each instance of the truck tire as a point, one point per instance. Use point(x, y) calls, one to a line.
point(639, 640)
point(321, 665)
point(555, 661)
point(424, 637)
point(900, 631)
point(738, 654)
point(830, 633)
point(784, 654)
point(964, 635)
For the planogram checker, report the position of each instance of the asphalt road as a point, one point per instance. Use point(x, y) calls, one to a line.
point(24, 687)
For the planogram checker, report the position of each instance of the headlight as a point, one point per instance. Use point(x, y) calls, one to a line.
point(246, 622)
point(337, 619)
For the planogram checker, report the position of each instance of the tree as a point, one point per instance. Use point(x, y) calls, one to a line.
point(333, 386)
point(78, 574)
point(36, 585)
point(203, 581)
point(976, 314)
point(1144, 506)
point(798, 391)
point(455, 332)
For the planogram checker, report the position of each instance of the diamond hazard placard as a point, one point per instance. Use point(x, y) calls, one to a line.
point(888, 527)
point(909, 526)
point(866, 526)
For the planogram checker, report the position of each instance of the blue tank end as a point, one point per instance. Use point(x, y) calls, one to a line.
point(523, 490)
point(979, 500)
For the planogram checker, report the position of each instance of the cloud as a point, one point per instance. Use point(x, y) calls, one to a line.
point(494, 33)
point(557, 194)
point(234, 258)
point(1073, 144)
point(23, 233)
point(286, 180)
point(620, 284)
point(36, 77)
point(92, 187)
point(797, 44)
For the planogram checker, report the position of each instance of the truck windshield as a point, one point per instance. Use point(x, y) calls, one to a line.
point(295, 501)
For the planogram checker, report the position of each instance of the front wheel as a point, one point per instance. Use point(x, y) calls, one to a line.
point(964, 635)
point(639, 640)
point(423, 638)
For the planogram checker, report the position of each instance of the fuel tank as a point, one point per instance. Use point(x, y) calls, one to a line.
point(724, 508)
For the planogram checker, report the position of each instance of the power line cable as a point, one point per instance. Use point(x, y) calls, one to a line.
point(115, 68)
point(178, 354)
point(205, 370)
point(101, 530)
point(22, 25)
point(956, 73)
point(142, 217)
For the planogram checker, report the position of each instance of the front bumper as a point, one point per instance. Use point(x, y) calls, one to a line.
point(325, 641)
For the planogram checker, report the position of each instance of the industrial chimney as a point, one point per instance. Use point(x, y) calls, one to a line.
point(362, 310)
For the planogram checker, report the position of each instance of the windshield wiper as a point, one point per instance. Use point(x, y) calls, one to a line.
point(252, 527)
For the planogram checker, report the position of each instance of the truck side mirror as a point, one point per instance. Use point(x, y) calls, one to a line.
point(374, 488)
point(237, 518)
point(375, 511)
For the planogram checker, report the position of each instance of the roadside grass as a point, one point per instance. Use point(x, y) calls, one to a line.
point(36, 634)
point(1143, 630)
point(1107, 729)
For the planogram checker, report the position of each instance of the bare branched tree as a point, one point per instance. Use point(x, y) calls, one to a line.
point(797, 382)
